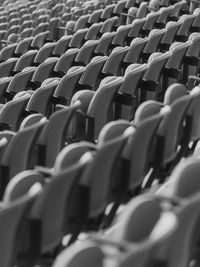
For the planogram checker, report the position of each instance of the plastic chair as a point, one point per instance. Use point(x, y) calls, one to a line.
point(12, 114)
point(103, 97)
point(62, 45)
point(42, 209)
point(25, 60)
point(12, 161)
point(114, 61)
point(69, 81)
point(44, 52)
point(172, 125)
point(44, 71)
point(92, 72)
point(86, 53)
point(23, 46)
point(40, 101)
point(18, 210)
point(7, 67)
point(19, 82)
point(105, 43)
point(50, 141)
point(7, 52)
point(128, 98)
point(65, 62)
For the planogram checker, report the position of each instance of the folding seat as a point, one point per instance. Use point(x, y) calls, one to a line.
point(114, 61)
point(50, 141)
point(69, 81)
point(152, 45)
point(119, 8)
point(135, 51)
point(40, 99)
point(7, 67)
point(121, 35)
point(62, 45)
point(95, 16)
point(65, 62)
point(26, 60)
point(136, 28)
point(81, 22)
point(195, 24)
point(170, 34)
point(174, 64)
point(129, 229)
point(130, 90)
point(18, 210)
point(109, 25)
point(7, 52)
point(92, 104)
point(39, 40)
point(107, 12)
point(176, 11)
point(23, 46)
point(78, 38)
point(26, 24)
point(141, 10)
point(86, 52)
point(44, 52)
point(92, 73)
point(163, 17)
point(184, 30)
point(18, 153)
point(20, 82)
point(4, 82)
point(26, 33)
point(108, 151)
point(151, 86)
point(41, 211)
point(149, 23)
point(93, 32)
point(12, 113)
point(44, 71)
point(104, 47)
point(172, 125)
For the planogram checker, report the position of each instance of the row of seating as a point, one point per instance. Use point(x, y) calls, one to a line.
point(158, 229)
point(117, 165)
point(35, 17)
point(86, 126)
